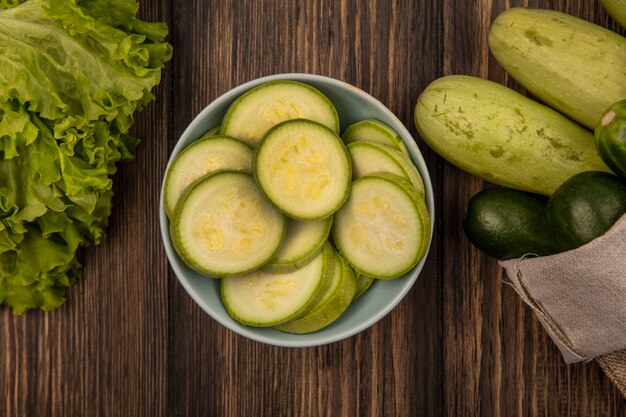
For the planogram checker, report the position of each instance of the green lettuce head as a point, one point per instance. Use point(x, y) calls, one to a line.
point(73, 74)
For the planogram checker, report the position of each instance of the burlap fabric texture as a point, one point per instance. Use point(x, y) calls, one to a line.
point(580, 298)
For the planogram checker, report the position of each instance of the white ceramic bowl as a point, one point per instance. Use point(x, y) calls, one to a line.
point(352, 105)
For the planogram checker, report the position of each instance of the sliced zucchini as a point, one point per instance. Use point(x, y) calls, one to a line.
point(363, 282)
point(206, 155)
point(223, 226)
point(258, 110)
point(334, 302)
point(369, 157)
point(214, 131)
point(304, 169)
point(380, 230)
point(302, 243)
point(264, 299)
point(415, 177)
point(419, 201)
point(371, 130)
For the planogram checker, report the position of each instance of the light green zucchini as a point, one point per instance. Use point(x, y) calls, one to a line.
point(363, 282)
point(493, 132)
point(372, 130)
point(574, 66)
point(303, 241)
point(335, 300)
point(223, 226)
point(303, 168)
point(264, 299)
point(420, 203)
point(214, 131)
point(254, 113)
point(381, 230)
point(617, 9)
point(370, 157)
point(207, 154)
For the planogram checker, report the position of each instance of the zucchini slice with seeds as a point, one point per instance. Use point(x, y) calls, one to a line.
point(334, 302)
point(419, 200)
point(302, 243)
point(224, 226)
point(264, 299)
point(206, 155)
point(369, 157)
point(214, 131)
point(372, 130)
point(304, 169)
point(381, 230)
point(363, 282)
point(265, 106)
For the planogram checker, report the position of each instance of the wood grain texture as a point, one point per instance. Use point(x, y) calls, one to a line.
point(131, 342)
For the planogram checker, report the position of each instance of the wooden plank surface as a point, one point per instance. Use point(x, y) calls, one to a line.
point(131, 342)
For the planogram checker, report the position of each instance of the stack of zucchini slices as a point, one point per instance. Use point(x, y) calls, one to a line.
point(258, 200)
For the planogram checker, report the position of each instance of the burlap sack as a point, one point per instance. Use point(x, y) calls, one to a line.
point(580, 298)
point(614, 366)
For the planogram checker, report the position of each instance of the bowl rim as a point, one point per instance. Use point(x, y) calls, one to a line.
point(249, 333)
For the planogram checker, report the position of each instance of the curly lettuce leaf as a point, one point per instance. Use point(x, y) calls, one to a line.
point(37, 274)
point(78, 68)
point(7, 4)
point(73, 75)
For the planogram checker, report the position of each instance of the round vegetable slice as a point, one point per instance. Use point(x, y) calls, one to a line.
point(265, 299)
point(223, 226)
point(334, 302)
point(369, 157)
point(302, 243)
point(419, 201)
point(206, 155)
point(372, 130)
point(214, 131)
point(363, 282)
point(380, 229)
point(258, 110)
point(304, 169)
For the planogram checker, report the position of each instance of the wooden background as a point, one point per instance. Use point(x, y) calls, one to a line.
point(131, 342)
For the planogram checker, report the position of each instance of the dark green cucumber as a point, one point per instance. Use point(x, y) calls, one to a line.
point(610, 136)
point(585, 207)
point(508, 224)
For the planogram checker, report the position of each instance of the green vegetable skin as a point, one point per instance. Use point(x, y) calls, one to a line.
point(509, 224)
point(617, 9)
point(73, 73)
point(491, 131)
point(7, 4)
point(610, 136)
point(572, 65)
point(585, 207)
